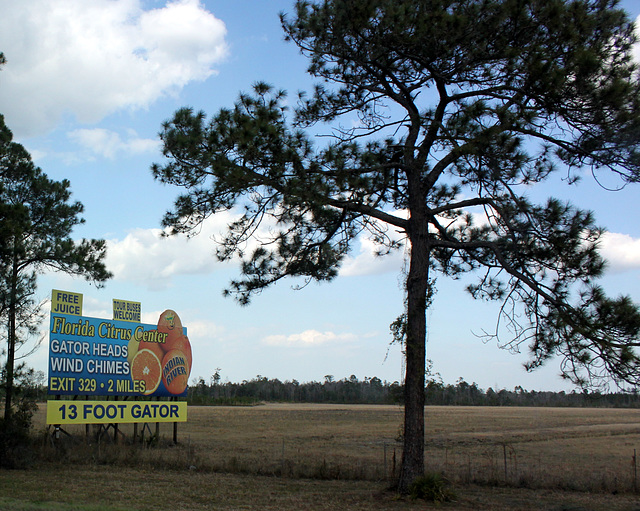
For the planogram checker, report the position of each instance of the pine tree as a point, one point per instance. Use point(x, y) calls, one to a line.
point(459, 108)
point(36, 221)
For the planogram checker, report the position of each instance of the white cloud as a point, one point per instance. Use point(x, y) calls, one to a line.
point(204, 330)
point(150, 260)
point(147, 258)
point(368, 262)
point(308, 338)
point(621, 251)
point(90, 58)
point(109, 144)
point(144, 257)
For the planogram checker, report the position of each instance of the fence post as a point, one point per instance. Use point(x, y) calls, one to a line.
point(386, 474)
point(635, 472)
point(282, 460)
point(504, 455)
point(394, 463)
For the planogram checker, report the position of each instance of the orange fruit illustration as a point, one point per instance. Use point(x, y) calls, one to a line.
point(148, 343)
point(146, 367)
point(169, 323)
point(180, 342)
point(175, 372)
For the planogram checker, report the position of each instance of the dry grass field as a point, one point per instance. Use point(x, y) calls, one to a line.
point(283, 456)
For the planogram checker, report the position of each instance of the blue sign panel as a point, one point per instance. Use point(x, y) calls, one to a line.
point(101, 357)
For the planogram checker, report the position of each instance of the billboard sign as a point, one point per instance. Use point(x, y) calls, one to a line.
point(110, 357)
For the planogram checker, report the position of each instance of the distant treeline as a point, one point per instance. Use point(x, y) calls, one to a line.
point(375, 391)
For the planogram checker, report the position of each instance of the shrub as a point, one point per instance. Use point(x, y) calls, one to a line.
point(432, 487)
point(15, 439)
point(15, 430)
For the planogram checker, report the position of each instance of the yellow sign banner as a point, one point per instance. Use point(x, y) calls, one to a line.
point(111, 412)
point(124, 310)
point(65, 302)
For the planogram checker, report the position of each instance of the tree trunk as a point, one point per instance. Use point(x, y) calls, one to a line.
point(416, 329)
point(11, 339)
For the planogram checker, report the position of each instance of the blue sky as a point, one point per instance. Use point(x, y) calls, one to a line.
point(86, 88)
